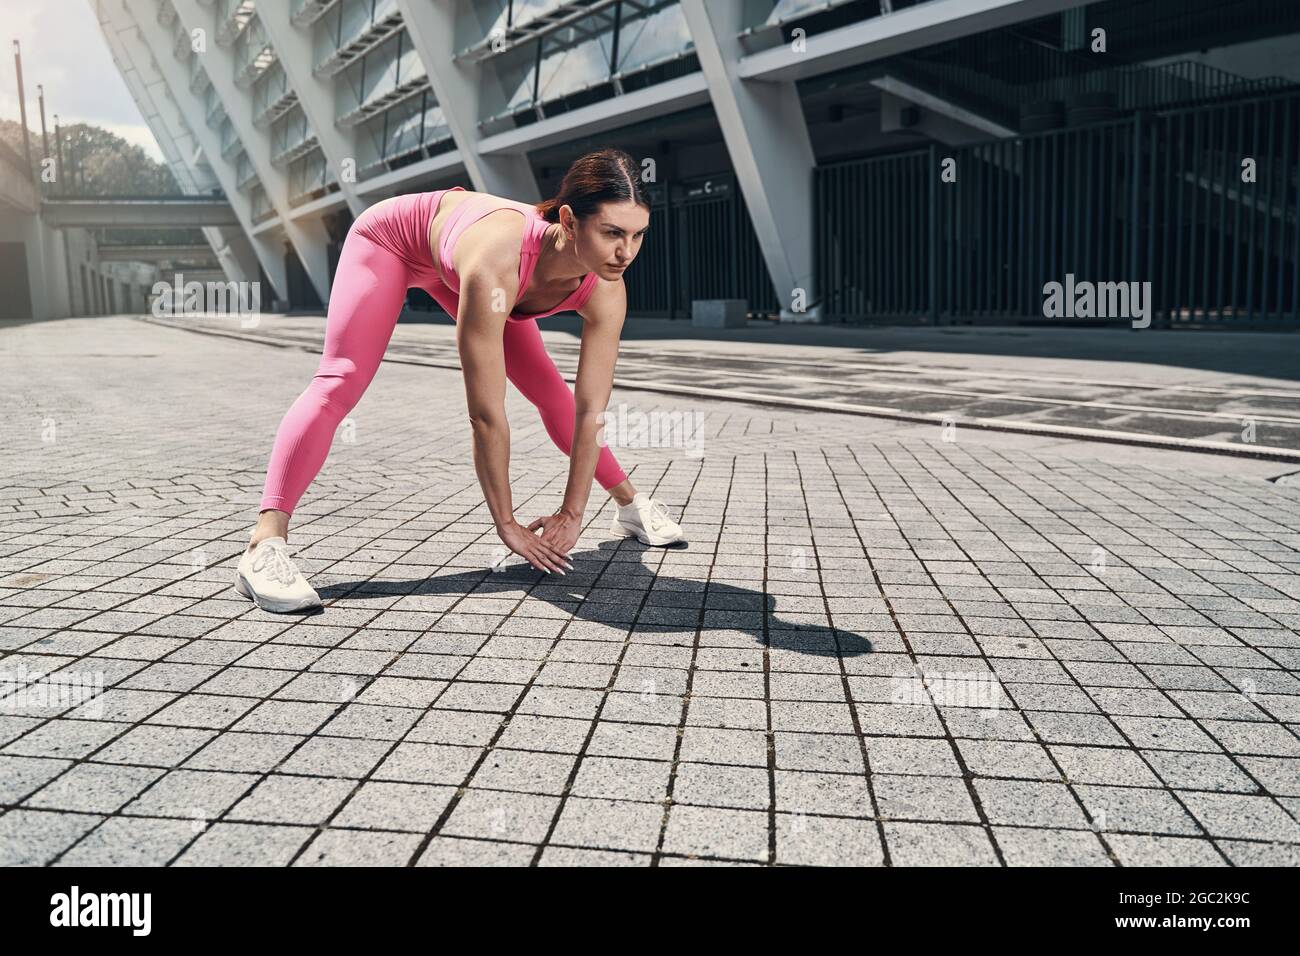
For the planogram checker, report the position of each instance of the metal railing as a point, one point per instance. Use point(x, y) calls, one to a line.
point(701, 245)
point(1203, 203)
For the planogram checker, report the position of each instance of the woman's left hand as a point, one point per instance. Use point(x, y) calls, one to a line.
point(560, 531)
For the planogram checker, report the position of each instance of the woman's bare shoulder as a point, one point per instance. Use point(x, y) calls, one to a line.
point(607, 299)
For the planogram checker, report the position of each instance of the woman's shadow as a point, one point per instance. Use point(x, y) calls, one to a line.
point(673, 605)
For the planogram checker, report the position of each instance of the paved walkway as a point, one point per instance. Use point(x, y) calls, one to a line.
point(880, 647)
point(1227, 392)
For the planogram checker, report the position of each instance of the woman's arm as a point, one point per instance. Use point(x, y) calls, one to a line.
point(602, 325)
point(487, 294)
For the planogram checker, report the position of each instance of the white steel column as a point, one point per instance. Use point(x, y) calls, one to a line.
point(154, 43)
point(315, 95)
point(767, 138)
point(164, 119)
point(307, 236)
point(431, 26)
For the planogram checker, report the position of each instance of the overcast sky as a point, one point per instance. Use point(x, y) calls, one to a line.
point(63, 49)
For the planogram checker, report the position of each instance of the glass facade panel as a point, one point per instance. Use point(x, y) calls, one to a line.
point(646, 40)
point(251, 46)
point(260, 204)
point(289, 132)
point(403, 132)
point(307, 175)
point(568, 66)
point(270, 88)
point(649, 34)
point(354, 20)
point(380, 70)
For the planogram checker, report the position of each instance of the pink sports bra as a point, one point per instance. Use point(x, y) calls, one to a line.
point(462, 217)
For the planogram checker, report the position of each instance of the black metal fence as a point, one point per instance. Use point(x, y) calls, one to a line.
point(701, 245)
point(1203, 203)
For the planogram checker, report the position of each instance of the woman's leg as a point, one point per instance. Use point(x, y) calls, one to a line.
point(530, 368)
point(369, 286)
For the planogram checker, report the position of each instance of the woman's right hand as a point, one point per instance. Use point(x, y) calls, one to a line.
point(532, 549)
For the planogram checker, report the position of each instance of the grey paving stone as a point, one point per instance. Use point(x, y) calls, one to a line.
point(36, 837)
point(335, 847)
point(491, 698)
point(204, 710)
point(19, 776)
point(1104, 765)
point(938, 844)
point(1167, 734)
point(575, 856)
point(898, 720)
point(717, 832)
point(609, 824)
point(285, 717)
point(455, 727)
point(1200, 771)
point(501, 815)
point(1135, 809)
point(1063, 728)
point(1043, 847)
point(1008, 758)
point(335, 757)
point(131, 841)
point(1241, 816)
point(198, 795)
point(583, 703)
point(618, 778)
point(731, 713)
point(1253, 737)
point(70, 739)
point(649, 741)
point(154, 746)
point(803, 839)
point(244, 752)
point(524, 771)
point(555, 734)
point(1243, 853)
point(719, 785)
point(892, 755)
point(719, 745)
point(1025, 803)
point(1280, 776)
point(371, 722)
point(451, 851)
point(384, 805)
point(983, 725)
point(245, 844)
point(1143, 850)
point(93, 788)
point(838, 794)
point(285, 798)
point(420, 763)
point(923, 798)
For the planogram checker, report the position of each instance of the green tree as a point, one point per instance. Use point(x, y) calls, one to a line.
point(100, 163)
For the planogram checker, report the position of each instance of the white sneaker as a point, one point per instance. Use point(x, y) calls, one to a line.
point(267, 576)
point(647, 520)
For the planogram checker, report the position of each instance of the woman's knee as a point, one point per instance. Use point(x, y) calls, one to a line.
point(339, 383)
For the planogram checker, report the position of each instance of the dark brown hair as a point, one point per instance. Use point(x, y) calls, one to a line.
point(607, 175)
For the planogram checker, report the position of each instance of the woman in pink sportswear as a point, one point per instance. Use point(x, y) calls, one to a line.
point(495, 275)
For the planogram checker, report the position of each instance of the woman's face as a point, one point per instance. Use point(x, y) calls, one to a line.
point(607, 241)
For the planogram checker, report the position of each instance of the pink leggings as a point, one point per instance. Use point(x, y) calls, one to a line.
point(386, 252)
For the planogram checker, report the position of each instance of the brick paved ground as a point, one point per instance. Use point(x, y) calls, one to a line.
point(1108, 642)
